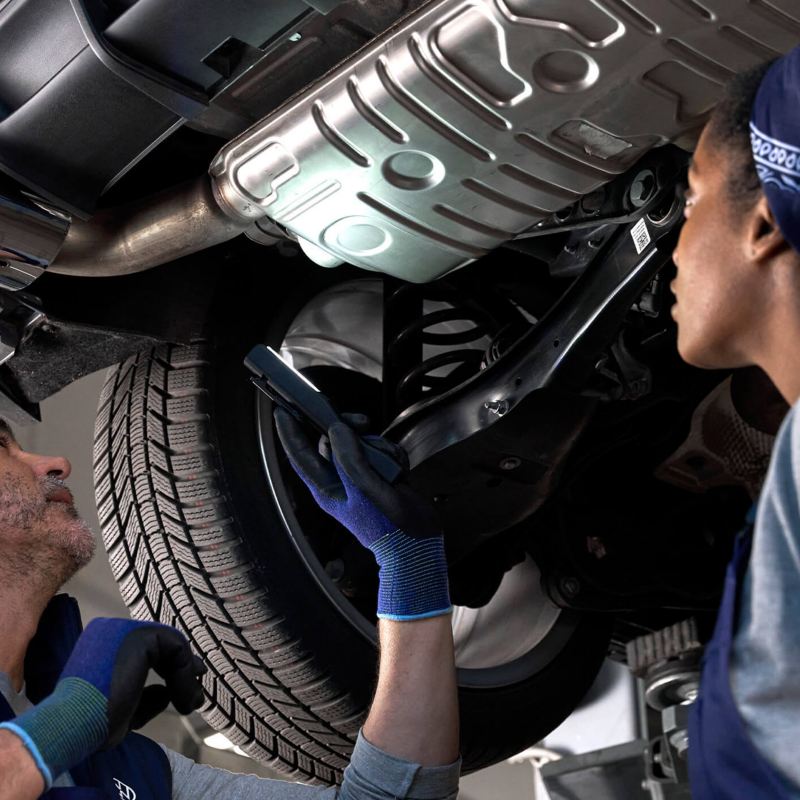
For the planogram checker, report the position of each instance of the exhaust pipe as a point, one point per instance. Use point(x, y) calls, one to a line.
point(153, 231)
point(444, 137)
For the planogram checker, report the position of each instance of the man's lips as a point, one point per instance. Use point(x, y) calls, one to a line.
point(61, 496)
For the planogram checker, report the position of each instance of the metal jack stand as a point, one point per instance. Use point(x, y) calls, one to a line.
point(653, 767)
point(668, 663)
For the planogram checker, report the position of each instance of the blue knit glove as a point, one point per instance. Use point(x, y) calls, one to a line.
point(101, 695)
point(395, 523)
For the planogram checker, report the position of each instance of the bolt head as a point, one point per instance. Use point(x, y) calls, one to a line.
point(510, 463)
point(642, 188)
point(498, 407)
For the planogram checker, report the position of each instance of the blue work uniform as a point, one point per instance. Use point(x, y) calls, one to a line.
point(138, 767)
point(745, 725)
point(142, 769)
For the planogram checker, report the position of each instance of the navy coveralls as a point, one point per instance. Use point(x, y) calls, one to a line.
point(724, 764)
point(137, 768)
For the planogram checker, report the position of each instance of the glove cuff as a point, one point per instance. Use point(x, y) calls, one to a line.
point(412, 577)
point(65, 728)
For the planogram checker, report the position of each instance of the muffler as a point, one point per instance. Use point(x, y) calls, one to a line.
point(459, 129)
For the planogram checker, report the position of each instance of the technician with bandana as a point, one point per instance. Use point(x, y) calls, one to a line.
point(738, 304)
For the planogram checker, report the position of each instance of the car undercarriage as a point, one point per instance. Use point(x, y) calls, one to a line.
point(455, 217)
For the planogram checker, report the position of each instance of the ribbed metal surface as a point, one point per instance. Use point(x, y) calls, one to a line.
point(473, 120)
point(676, 641)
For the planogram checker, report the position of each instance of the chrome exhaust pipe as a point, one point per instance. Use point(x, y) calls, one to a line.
point(31, 234)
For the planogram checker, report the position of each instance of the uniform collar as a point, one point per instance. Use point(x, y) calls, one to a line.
point(59, 628)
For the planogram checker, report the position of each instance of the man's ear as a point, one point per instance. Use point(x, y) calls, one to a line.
point(764, 237)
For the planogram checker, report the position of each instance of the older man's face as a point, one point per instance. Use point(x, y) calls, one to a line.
point(39, 524)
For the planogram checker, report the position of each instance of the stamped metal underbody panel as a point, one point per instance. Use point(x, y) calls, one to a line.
point(474, 119)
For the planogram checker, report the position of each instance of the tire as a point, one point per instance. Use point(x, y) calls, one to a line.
point(196, 540)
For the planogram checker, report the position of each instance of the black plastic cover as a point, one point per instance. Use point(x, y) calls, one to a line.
point(88, 87)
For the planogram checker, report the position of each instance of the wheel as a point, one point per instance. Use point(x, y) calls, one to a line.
point(207, 528)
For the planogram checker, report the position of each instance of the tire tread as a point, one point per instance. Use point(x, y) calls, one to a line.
point(174, 550)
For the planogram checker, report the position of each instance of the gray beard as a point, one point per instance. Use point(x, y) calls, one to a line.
point(35, 547)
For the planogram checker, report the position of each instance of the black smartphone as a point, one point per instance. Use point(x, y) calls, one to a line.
point(295, 393)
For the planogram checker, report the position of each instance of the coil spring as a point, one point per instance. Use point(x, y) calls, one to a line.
point(409, 331)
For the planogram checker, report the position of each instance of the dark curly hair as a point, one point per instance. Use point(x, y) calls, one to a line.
point(730, 125)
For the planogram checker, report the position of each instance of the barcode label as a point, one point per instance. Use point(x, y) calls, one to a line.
point(641, 236)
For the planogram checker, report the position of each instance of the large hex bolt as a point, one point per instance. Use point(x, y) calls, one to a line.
point(642, 188)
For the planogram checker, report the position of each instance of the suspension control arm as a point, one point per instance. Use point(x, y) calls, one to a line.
point(515, 422)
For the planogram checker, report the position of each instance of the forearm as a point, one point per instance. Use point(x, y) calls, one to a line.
point(414, 715)
point(20, 778)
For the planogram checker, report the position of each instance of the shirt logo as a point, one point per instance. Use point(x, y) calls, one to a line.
point(125, 791)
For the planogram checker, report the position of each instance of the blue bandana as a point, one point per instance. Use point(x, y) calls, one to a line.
point(775, 134)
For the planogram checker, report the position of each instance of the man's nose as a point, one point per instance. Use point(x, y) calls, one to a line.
point(55, 466)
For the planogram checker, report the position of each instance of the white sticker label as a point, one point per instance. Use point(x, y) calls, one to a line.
point(641, 236)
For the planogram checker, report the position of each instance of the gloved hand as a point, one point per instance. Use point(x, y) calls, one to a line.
point(395, 523)
point(101, 693)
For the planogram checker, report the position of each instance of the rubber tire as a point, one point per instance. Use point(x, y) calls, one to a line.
point(195, 540)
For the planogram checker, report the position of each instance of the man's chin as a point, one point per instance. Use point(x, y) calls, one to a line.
point(80, 543)
point(74, 536)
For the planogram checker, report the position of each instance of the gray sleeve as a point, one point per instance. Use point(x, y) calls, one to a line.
point(371, 775)
point(191, 781)
point(375, 775)
point(766, 647)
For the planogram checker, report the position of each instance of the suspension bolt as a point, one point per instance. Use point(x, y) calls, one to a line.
point(642, 188)
point(511, 463)
point(499, 407)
